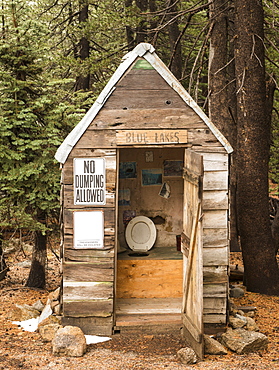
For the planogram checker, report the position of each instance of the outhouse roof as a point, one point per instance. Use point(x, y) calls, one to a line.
point(146, 51)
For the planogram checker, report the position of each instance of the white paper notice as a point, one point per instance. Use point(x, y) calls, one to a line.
point(88, 229)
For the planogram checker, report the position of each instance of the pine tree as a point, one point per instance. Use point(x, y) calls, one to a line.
point(29, 134)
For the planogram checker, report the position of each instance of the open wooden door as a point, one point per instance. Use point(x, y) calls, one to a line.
point(192, 309)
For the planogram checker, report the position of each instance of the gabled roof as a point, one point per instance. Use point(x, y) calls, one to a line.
point(147, 52)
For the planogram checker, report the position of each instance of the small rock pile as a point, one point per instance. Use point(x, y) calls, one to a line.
point(67, 341)
point(242, 335)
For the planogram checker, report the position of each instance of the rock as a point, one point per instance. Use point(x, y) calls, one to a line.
point(38, 305)
point(213, 347)
point(236, 292)
point(69, 341)
point(240, 312)
point(57, 309)
point(187, 356)
point(50, 320)
point(48, 328)
point(25, 264)
point(49, 331)
point(237, 321)
point(23, 312)
point(251, 324)
point(54, 296)
point(243, 341)
point(250, 314)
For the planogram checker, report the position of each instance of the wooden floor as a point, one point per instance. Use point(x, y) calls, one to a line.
point(158, 314)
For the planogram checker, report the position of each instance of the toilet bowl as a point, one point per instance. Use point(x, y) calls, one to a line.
point(140, 234)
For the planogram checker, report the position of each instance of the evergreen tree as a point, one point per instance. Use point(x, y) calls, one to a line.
point(29, 133)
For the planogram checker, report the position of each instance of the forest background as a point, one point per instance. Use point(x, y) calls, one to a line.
point(57, 55)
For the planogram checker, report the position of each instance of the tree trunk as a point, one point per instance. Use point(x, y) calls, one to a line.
point(253, 140)
point(37, 274)
point(175, 45)
point(83, 81)
point(221, 101)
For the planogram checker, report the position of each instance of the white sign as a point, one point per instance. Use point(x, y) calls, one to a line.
point(89, 181)
point(88, 229)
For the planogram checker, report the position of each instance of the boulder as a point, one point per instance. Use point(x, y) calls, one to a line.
point(213, 347)
point(69, 341)
point(243, 341)
point(187, 356)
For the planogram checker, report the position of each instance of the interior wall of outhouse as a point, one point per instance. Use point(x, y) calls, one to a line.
point(151, 185)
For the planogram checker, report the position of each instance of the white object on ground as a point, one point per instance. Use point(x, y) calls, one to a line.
point(93, 339)
point(28, 325)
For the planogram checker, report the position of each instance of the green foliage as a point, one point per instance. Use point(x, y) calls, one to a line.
point(29, 132)
point(39, 65)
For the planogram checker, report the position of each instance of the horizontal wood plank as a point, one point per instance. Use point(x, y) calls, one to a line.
point(217, 305)
point(217, 180)
point(216, 199)
point(152, 306)
point(215, 219)
point(80, 271)
point(214, 318)
point(216, 256)
point(215, 274)
point(130, 99)
point(81, 291)
point(97, 139)
point(215, 237)
point(87, 308)
point(148, 118)
point(143, 79)
point(91, 325)
point(215, 162)
point(215, 290)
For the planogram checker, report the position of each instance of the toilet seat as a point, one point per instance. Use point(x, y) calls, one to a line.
point(140, 234)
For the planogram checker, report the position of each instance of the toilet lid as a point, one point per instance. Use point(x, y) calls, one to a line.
point(140, 233)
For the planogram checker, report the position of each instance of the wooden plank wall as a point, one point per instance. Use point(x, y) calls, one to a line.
point(88, 274)
point(215, 236)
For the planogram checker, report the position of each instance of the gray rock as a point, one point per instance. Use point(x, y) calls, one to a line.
point(237, 321)
point(243, 341)
point(236, 292)
point(187, 356)
point(69, 341)
point(213, 347)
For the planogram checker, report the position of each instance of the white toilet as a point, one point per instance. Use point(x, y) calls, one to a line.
point(140, 234)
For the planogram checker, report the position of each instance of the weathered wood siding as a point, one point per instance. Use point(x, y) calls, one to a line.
point(215, 236)
point(88, 274)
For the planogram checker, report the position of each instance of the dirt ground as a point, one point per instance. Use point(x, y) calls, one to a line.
point(20, 349)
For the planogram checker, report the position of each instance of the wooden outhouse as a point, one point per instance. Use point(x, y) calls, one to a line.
point(145, 148)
